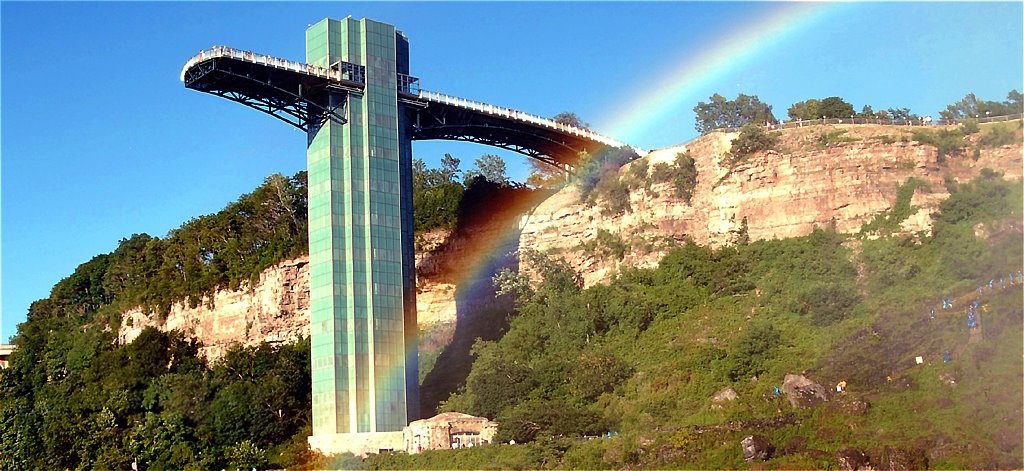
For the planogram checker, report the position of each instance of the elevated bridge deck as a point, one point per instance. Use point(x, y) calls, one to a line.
point(297, 94)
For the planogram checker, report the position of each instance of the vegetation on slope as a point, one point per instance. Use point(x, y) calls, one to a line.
point(642, 356)
point(638, 357)
point(74, 398)
point(218, 250)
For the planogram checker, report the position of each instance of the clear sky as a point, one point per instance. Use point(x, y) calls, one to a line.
point(100, 139)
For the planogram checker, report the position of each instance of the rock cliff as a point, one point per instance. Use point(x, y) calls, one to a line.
point(806, 183)
point(780, 194)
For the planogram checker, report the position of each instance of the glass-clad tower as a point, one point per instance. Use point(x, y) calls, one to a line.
point(363, 317)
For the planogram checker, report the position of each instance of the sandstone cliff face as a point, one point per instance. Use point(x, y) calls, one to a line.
point(781, 194)
point(275, 310)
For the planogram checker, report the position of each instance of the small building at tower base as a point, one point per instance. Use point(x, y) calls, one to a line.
point(449, 430)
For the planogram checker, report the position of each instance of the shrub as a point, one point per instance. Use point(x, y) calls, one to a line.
point(614, 194)
point(946, 142)
point(835, 137)
point(610, 245)
point(685, 179)
point(889, 221)
point(638, 174)
point(886, 139)
point(750, 353)
point(828, 303)
point(970, 126)
point(752, 138)
point(682, 175)
point(998, 135)
point(603, 165)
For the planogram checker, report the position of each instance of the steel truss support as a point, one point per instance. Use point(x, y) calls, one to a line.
point(299, 108)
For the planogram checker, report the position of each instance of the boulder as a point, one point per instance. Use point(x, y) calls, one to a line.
point(853, 460)
point(756, 447)
point(898, 459)
point(725, 395)
point(803, 392)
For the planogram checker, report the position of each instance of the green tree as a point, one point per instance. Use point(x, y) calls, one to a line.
point(490, 167)
point(835, 107)
point(902, 115)
point(970, 106)
point(545, 175)
point(570, 119)
point(723, 113)
point(752, 138)
point(449, 168)
point(436, 195)
point(831, 107)
point(749, 355)
point(806, 110)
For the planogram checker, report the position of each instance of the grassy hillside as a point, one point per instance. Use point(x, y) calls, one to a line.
point(642, 356)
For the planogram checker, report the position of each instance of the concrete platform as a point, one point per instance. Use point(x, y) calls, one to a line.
point(359, 444)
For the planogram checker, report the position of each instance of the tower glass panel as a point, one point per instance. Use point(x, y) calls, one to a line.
point(363, 320)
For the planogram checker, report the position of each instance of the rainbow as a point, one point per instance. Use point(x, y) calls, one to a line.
point(679, 86)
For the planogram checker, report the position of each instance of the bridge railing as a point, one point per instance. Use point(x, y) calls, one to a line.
point(346, 71)
point(518, 115)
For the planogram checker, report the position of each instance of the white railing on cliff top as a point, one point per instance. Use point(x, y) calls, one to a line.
point(922, 121)
point(224, 51)
point(520, 116)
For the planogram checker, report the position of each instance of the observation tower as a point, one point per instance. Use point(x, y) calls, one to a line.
point(361, 110)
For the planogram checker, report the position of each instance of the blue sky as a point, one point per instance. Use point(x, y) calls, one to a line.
point(100, 139)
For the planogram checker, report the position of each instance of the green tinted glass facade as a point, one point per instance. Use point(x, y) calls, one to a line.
point(363, 320)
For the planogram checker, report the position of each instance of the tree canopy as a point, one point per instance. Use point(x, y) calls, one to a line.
point(831, 107)
point(723, 113)
point(436, 194)
point(490, 167)
point(970, 106)
point(571, 119)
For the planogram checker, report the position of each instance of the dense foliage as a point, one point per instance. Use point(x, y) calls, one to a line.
point(682, 174)
point(642, 355)
point(218, 250)
point(970, 106)
point(724, 113)
point(570, 119)
point(635, 360)
point(489, 167)
point(597, 175)
point(72, 398)
point(831, 107)
point(752, 138)
point(436, 194)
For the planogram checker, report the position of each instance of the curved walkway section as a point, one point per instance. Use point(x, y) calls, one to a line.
point(344, 73)
point(509, 113)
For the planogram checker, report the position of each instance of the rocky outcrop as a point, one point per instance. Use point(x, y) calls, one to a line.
point(756, 448)
point(853, 460)
point(723, 396)
point(803, 392)
point(780, 194)
point(275, 309)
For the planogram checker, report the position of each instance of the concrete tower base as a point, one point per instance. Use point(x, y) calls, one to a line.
point(359, 444)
